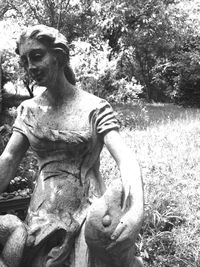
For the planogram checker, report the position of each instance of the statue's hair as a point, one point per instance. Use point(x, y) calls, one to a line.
point(52, 39)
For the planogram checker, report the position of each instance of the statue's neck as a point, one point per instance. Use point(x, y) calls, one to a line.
point(60, 92)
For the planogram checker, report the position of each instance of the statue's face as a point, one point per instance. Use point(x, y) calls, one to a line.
point(39, 61)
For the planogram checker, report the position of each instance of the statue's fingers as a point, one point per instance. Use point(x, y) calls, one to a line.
point(32, 230)
point(118, 235)
point(119, 229)
point(121, 237)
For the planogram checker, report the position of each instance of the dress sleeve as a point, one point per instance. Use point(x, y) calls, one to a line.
point(103, 118)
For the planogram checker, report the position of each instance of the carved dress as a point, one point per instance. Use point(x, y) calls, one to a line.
point(67, 142)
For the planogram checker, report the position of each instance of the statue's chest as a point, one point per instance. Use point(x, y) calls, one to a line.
point(65, 120)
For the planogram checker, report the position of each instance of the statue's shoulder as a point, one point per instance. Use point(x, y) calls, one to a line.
point(92, 101)
point(28, 104)
point(33, 102)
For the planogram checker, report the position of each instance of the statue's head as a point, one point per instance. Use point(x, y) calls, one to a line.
point(54, 41)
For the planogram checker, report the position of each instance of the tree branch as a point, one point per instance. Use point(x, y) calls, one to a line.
point(33, 9)
point(60, 12)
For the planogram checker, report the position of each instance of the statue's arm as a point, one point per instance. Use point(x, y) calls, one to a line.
point(11, 157)
point(132, 182)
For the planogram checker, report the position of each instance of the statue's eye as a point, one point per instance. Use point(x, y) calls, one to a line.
point(36, 56)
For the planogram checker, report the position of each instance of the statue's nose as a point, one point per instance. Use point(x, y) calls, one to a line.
point(31, 65)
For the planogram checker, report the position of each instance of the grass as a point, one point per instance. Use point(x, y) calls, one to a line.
point(166, 140)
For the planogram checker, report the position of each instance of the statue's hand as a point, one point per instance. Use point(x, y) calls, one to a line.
point(128, 228)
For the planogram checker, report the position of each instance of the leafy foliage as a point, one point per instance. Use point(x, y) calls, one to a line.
point(143, 30)
point(97, 74)
point(188, 68)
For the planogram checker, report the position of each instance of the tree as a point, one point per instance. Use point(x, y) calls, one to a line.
point(144, 35)
point(72, 19)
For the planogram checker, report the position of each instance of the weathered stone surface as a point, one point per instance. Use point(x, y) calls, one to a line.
point(103, 217)
point(13, 236)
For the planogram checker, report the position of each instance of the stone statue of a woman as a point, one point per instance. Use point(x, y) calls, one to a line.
point(67, 127)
